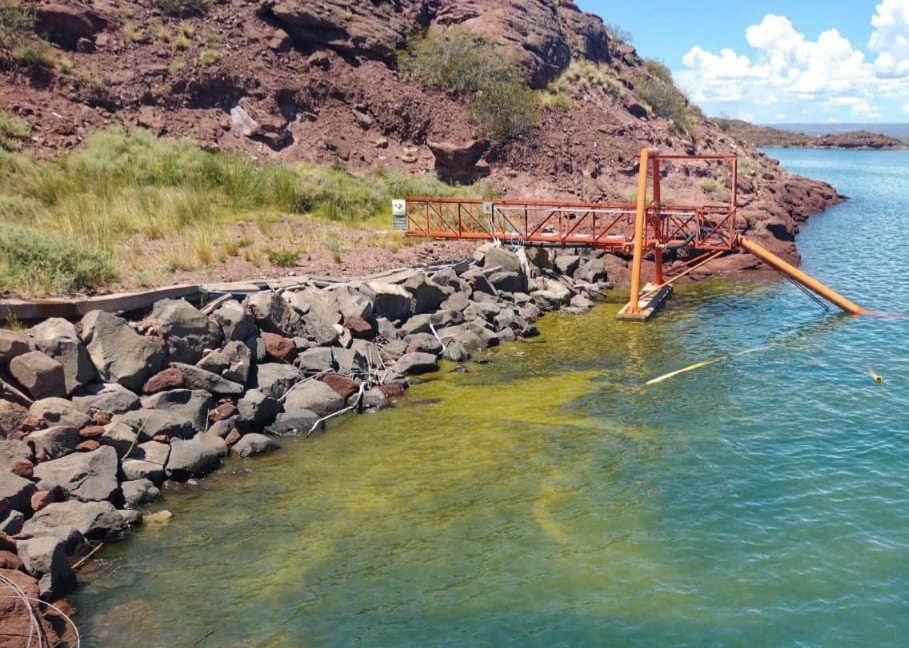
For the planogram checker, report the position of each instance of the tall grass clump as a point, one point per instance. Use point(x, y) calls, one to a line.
point(17, 24)
point(499, 98)
point(12, 132)
point(40, 263)
point(658, 90)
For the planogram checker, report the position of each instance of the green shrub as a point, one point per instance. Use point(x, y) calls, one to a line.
point(499, 98)
point(36, 53)
point(12, 131)
point(17, 24)
point(182, 7)
point(39, 263)
point(665, 100)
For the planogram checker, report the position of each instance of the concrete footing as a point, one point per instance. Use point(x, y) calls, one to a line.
point(650, 301)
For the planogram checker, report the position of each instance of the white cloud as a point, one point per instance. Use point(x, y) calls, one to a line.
point(786, 67)
point(890, 38)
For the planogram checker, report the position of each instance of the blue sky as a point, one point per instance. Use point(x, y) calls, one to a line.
point(798, 61)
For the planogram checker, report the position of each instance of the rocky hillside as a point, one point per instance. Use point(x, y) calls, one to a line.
point(294, 80)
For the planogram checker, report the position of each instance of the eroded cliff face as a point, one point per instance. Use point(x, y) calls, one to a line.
point(317, 81)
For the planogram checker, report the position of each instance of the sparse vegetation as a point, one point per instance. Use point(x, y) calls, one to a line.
point(209, 57)
point(12, 131)
point(134, 33)
point(614, 32)
point(499, 98)
point(187, 30)
point(181, 43)
point(17, 24)
point(35, 53)
point(182, 7)
point(657, 89)
point(182, 206)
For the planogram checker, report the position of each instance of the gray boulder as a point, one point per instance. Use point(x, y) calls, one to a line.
point(233, 362)
point(416, 363)
point(551, 296)
point(334, 359)
point(120, 436)
point(11, 449)
point(11, 522)
point(185, 329)
point(320, 330)
point(274, 314)
point(86, 476)
point(196, 378)
point(191, 458)
point(237, 322)
point(54, 442)
point(193, 404)
point(315, 396)
point(45, 557)
point(274, 379)
point(59, 411)
point(94, 520)
point(567, 263)
point(256, 410)
point(40, 375)
point(149, 423)
point(391, 301)
point(424, 342)
point(120, 354)
point(427, 294)
point(353, 303)
point(312, 300)
point(147, 461)
point(298, 421)
point(253, 444)
point(112, 398)
point(15, 492)
point(58, 339)
point(12, 344)
point(139, 491)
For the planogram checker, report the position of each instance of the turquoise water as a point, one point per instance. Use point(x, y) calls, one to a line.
point(552, 498)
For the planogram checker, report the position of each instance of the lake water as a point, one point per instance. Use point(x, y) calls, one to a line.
point(552, 498)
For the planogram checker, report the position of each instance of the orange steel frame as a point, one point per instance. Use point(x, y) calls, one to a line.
point(629, 228)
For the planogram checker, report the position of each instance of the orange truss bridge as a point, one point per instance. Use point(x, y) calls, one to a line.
point(647, 226)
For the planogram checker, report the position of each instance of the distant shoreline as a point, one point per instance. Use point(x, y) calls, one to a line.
point(820, 136)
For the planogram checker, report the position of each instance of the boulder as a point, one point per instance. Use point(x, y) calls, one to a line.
point(427, 294)
point(11, 522)
point(15, 492)
point(200, 379)
point(45, 557)
point(237, 322)
point(278, 347)
point(12, 415)
point(321, 331)
point(120, 354)
point(169, 378)
point(120, 436)
point(193, 404)
point(39, 375)
point(353, 303)
point(416, 363)
point(457, 160)
point(191, 458)
point(139, 491)
point(298, 421)
point(552, 296)
point(94, 520)
point(375, 400)
point(12, 450)
point(391, 301)
point(12, 344)
point(320, 359)
point(312, 300)
point(253, 444)
point(274, 314)
point(315, 396)
point(424, 343)
point(57, 338)
point(274, 379)
point(86, 476)
point(54, 442)
point(111, 398)
point(66, 24)
point(185, 329)
point(567, 264)
point(256, 410)
point(150, 423)
point(59, 411)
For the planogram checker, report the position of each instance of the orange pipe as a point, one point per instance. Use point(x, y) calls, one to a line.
point(639, 217)
point(791, 271)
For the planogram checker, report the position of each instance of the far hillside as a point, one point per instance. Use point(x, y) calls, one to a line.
point(769, 136)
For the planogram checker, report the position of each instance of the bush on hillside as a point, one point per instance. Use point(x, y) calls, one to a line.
point(499, 98)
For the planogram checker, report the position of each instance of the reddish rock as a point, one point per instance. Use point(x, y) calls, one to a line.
point(359, 328)
point(170, 378)
point(279, 347)
point(222, 412)
point(87, 446)
point(392, 391)
point(21, 467)
point(161, 438)
point(91, 431)
point(31, 423)
point(232, 437)
point(41, 499)
point(9, 560)
point(344, 386)
point(17, 615)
